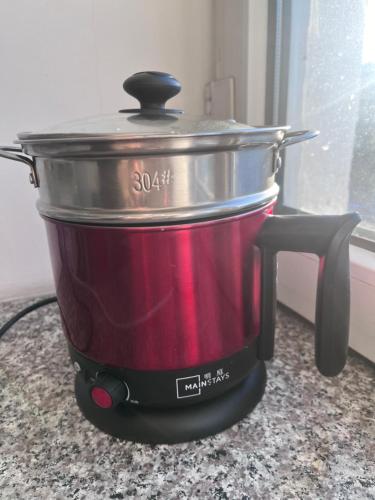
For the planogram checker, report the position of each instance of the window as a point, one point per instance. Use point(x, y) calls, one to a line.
point(321, 75)
point(327, 81)
point(310, 64)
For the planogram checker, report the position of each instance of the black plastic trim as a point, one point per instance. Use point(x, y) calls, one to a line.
point(357, 240)
point(175, 425)
point(173, 388)
point(328, 237)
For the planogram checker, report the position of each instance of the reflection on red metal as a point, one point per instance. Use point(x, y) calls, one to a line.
point(161, 297)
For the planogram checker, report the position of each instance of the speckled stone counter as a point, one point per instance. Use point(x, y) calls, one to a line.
point(310, 437)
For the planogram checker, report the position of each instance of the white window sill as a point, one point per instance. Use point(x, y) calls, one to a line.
point(297, 280)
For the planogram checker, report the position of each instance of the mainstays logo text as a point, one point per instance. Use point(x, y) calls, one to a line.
point(188, 387)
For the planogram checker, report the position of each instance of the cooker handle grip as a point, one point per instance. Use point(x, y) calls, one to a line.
point(328, 237)
point(16, 154)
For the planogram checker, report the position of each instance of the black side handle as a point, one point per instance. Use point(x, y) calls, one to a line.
point(327, 236)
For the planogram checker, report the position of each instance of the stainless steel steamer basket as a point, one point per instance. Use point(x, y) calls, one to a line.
point(152, 164)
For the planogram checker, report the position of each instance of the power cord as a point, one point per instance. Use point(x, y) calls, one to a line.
point(25, 311)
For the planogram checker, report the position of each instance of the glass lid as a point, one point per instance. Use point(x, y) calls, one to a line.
point(140, 123)
point(152, 120)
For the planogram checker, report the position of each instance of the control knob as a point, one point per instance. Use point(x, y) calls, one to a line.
point(108, 391)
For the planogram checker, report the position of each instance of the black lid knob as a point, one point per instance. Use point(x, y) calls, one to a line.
point(152, 89)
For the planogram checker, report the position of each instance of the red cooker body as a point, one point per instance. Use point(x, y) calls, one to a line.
point(159, 297)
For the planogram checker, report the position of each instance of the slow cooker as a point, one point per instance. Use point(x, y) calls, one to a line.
point(163, 244)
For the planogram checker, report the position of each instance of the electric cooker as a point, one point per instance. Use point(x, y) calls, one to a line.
point(163, 244)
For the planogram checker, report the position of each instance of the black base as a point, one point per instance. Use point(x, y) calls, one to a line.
point(176, 388)
point(175, 425)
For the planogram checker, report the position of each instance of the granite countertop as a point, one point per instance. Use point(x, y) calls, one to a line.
point(310, 437)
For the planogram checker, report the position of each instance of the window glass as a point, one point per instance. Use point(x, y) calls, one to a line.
point(331, 87)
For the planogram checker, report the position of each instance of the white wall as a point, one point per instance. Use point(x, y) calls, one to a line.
point(240, 34)
point(67, 59)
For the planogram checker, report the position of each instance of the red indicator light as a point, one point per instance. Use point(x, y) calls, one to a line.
point(101, 397)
